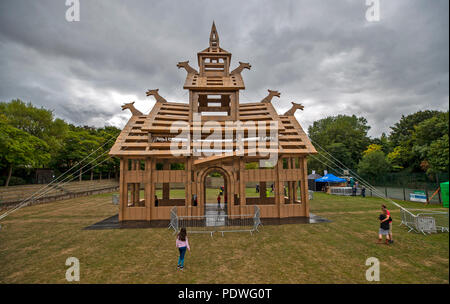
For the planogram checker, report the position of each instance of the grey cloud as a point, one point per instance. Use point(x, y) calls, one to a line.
point(322, 53)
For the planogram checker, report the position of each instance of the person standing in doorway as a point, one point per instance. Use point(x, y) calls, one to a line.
point(182, 244)
point(195, 200)
point(156, 201)
point(218, 201)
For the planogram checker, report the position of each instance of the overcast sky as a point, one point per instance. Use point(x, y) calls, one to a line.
point(324, 54)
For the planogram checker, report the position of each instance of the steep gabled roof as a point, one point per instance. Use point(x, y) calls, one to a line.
point(149, 135)
point(133, 140)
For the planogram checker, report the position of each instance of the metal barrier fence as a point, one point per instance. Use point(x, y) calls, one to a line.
point(404, 194)
point(425, 221)
point(215, 221)
point(410, 180)
point(173, 219)
point(346, 191)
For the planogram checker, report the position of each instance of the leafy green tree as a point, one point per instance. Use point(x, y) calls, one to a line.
point(66, 144)
point(108, 136)
point(20, 149)
point(38, 122)
point(345, 137)
point(428, 140)
point(438, 155)
point(401, 133)
point(318, 163)
point(384, 142)
point(373, 165)
point(78, 144)
point(427, 132)
point(398, 158)
point(372, 148)
point(412, 136)
point(35, 121)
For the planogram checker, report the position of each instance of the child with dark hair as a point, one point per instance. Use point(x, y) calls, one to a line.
point(384, 228)
point(389, 220)
point(182, 244)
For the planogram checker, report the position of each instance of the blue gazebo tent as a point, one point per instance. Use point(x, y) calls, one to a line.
point(328, 179)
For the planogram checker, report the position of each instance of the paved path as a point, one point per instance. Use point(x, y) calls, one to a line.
point(215, 216)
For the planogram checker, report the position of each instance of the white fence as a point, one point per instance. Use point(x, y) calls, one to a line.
point(347, 191)
point(425, 221)
point(216, 222)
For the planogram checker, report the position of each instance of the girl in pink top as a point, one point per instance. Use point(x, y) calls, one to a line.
point(182, 244)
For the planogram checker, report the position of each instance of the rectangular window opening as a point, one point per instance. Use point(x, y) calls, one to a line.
point(135, 195)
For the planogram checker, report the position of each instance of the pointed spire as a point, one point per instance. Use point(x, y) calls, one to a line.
point(214, 37)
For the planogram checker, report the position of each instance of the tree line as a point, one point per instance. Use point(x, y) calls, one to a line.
point(417, 143)
point(31, 137)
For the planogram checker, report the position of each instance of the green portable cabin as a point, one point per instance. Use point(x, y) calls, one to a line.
point(444, 193)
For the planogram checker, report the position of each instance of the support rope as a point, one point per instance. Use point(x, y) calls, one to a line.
point(33, 197)
point(362, 180)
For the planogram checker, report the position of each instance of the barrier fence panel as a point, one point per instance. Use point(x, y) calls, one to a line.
point(173, 219)
point(216, 222)
point(345, 191)
point(431, 196)
point(408, 219)
point(257, 219)
point(311, 194)
point(440, 219)
point(410, 194)
point(418, 220)
point(425, 221)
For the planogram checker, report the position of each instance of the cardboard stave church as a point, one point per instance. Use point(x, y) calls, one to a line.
point(146, 160)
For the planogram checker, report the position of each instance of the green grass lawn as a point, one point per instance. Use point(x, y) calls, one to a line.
point(36, 241)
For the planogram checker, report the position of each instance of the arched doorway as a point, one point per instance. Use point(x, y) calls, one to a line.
point(215, 192)
point(211, 181)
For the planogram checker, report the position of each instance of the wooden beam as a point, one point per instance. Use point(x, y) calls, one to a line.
point(242, 194)
point(149, 200)
point(210, 159)
point(123, 195)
